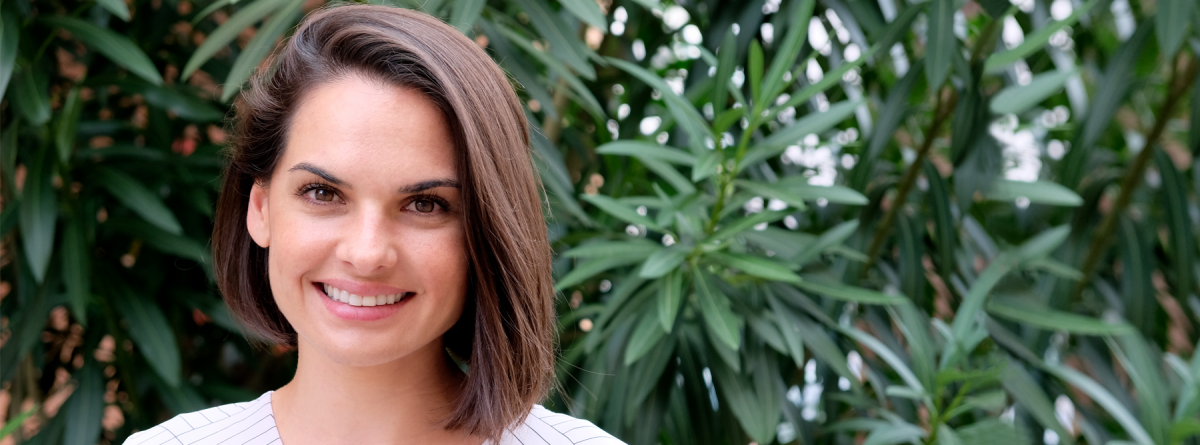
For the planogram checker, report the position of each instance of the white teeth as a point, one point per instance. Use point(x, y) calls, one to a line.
point(356, 300)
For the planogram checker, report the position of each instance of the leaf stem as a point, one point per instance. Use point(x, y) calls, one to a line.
point(726, 177)
point(1182, 71)
point(946, 102)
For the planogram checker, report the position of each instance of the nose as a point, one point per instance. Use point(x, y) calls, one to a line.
point(367, 245)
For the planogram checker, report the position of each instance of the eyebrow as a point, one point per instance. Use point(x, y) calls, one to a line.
point(408, 189)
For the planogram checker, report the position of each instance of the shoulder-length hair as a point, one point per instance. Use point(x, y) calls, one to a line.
point(506, 331)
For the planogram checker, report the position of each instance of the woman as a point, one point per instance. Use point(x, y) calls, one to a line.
point(381, 214)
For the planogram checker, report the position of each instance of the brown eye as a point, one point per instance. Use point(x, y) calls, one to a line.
point(323, 195)
point(424, 205)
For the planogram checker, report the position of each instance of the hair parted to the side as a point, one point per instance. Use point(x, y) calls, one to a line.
point(506, 332)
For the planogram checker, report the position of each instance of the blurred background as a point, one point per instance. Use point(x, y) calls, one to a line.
point(798, 221)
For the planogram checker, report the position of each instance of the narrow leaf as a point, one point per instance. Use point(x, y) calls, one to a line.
point(844, 292)
point(1050, 319)
point(941, 41)
point(755, 65)
point(263, 42)
point(149, 330)
point(973, 303)
point(1173, 18)
point(812, 123)
point(670, 296)
point(1105, 399)
point(663, 261)
point(1029, 394)
point(116, 7)
point(1018, 99)
point(466, 12)
point(757, 266)
point(84, 409)
point(630, 247)
point(117, 48)
point(139, 199)
point(647, 150)
point(9, 36)
point(76, 269)
point(645, 336)
point(1037, 192)
point(229, 30)
point(588, 11)
point(620, 211)
point(789, 48)
point(1035, 40)
point(39, 213)
point(725, 325)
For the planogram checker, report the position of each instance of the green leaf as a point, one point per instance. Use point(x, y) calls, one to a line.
point(895, 109)
point(1026, 392)
point(629, 247)
point(812, 123)
point(755, 70)
point(706, 166)
point(620, 211)
point(895, 433)
point(1175, 206)
point(1037, 192)
point(1173, 17)
point(645, 337)
point(744, 224)
point(834, 194)
point(149, 330)
point(757, 266)
point(1052, 320)
point(1055, 267)
point(789, 49)
point(18, 420)
point(647, 150)
point(68, 124)
point(670, 296)
point(1018, 99)
point(1040, 245)
point(116, 7)
point(941, 43)
point(31, 96)
point(772, 191)
point(581, 91)
point(177, 100)
point(229, 30)
point(466, 12)
point(685, 114)
point(117, 48)
point(139, 199)
point(1136, 252)
point(588, 11)
point(965, 319)
point(725, 67)
point(1143, 369)
point(567, 47)
point(163, 241)
point(835, 236)
point(1103, 398)
point(682, 185)
point(9, 37)
point(722, 322)
point(84, 410)
point(664, 261)
point(259, 47)
point(1119, 77)
point(1035, 40)
point(789, 332)
point(843, 292)
point(591, 268)
point(76, 269)
point(212, 7)
point(38, 215)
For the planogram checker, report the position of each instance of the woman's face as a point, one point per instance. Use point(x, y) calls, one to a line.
point(362, 221)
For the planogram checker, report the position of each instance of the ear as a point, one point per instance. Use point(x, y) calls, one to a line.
point(258, 216)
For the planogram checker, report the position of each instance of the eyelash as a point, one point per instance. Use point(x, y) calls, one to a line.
point(304, 189)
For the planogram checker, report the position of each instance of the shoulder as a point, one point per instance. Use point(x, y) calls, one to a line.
point(545, 427)
point(248, 422)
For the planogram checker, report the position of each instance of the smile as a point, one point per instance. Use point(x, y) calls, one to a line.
point(342, 296)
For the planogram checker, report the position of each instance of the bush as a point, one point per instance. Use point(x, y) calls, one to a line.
point(842, 221)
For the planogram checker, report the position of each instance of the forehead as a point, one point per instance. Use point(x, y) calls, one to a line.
point(362, 128)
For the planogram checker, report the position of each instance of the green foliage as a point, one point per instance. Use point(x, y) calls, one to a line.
point(909, 230)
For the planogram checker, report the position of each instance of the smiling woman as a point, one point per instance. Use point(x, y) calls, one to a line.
point(381, 214)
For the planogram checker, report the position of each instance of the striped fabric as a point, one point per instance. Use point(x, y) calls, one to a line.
point(252, 423)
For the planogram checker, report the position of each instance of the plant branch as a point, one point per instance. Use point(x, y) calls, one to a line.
point(946, 101)
point(1183, 70)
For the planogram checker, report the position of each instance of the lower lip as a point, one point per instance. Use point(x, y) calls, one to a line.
point(359, 313)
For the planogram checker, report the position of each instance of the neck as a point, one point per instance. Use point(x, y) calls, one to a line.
point(399, 402)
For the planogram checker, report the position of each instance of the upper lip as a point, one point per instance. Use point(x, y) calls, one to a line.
point(363, 289)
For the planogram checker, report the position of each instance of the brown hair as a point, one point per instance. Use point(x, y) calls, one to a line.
point(506, 331)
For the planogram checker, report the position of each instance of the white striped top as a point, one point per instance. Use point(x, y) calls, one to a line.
point(252, 423)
